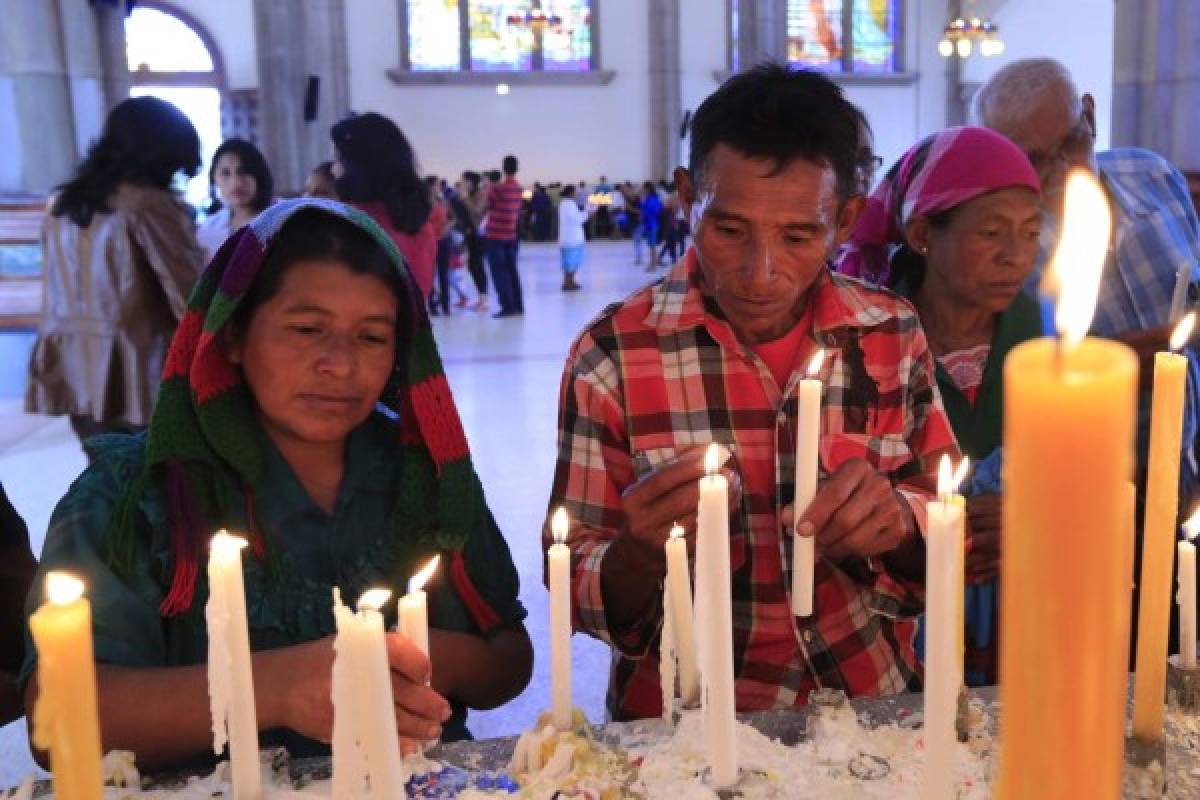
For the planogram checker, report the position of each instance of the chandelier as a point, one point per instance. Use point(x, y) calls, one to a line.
point(962, 37)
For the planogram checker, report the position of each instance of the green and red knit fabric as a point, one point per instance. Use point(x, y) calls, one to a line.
point(203, 445)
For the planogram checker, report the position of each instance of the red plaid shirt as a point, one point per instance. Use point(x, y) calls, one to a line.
point(663, 371)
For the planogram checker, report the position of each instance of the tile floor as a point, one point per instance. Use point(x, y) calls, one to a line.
point(505, 376)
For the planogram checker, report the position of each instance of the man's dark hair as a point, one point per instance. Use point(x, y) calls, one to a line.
point(781, 114)
point(510, 165)
point(567, 191)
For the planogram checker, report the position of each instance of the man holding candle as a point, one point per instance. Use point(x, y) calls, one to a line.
point(714, 352)
point(304, 407)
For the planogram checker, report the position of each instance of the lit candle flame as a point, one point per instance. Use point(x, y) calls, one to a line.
point(559, 525)
point(1079, 258)
point(676, 531)
point(418, 581)
point(1183, 332)
point(814, 366)
point(63, 589)
point(374, 599)
point(224, 541)
point(949, 478)
point(1191, 528)
point(712, 459)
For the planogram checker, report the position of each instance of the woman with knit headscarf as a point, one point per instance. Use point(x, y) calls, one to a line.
point(954, 228)
point(304, 405)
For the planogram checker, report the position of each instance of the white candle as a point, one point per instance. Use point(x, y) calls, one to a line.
point(413, 611)
point(714, 590)
point(678, 590)
point(1187, 593)
point(559, 569)
point(808, 435)
point(366, 745)
point(666, 657)
point(230, 679)
point(943, 629)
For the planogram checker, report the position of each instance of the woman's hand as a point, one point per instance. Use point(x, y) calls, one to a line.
point(306, 705)
point(984, 529)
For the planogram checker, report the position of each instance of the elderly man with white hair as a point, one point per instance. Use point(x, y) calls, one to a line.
point(1156, 236)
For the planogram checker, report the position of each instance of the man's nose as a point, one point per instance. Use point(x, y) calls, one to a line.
point(760, 267)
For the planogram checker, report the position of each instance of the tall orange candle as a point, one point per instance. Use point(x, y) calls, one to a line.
point(65, 719)
point(1069, 410)
point(1158, 537)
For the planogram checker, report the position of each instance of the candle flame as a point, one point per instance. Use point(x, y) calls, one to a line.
point(63, 589)
point(949, 478)
point(1079, 258)
point(374, 599)
point(1191, 528)
point(559, 526)
point(677, 531)
point(418, 581)
point(712, 459)
point(1183, 332)
point(224, 541)
point(814, 366)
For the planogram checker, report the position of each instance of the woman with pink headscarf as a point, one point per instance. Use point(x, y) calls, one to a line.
point(954, 228)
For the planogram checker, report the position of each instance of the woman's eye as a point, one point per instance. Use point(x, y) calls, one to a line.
point(306, 330)
point(374, 338)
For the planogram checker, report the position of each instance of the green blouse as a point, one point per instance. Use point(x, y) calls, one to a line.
point(289, 603)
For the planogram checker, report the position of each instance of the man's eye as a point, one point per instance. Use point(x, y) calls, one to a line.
point(726, 230)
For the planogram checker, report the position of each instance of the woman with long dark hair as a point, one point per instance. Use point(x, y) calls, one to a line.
point(376, 171)
point(120, 258)
point(241, 186)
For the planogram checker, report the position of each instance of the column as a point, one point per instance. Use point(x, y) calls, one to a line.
point(761, 31)
point(296, 40)
point(666, 102)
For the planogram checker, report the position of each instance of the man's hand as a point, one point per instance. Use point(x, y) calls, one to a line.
point(856, 512)
point(984, 528)
point(668, 495)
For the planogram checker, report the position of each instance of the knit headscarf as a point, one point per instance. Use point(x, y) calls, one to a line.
point(203, 445)
point(944, 170)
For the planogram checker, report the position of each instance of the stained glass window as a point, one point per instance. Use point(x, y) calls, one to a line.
point(859, 36)
point(433, 31)
point(503, 35)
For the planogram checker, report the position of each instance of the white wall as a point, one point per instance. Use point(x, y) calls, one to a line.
point(583, 132)
point(559, 133)
point(1079, 33)
point(231, 25)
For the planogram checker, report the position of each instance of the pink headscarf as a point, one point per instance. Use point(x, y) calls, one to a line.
point(944, 170)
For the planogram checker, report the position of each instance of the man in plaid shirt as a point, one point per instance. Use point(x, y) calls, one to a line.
point(713, 352)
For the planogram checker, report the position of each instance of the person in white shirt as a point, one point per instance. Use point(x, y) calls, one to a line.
point(571, 240)
point(241, 186)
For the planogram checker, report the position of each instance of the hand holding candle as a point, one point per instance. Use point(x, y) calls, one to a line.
point(559, 558)
point(65, 718)
point(808, 433)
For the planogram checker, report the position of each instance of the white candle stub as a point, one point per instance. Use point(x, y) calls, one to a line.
point(677, 597)
point(1187, 592)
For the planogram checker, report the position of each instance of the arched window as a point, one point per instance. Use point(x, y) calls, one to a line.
point(170, 56)
point(845, 36)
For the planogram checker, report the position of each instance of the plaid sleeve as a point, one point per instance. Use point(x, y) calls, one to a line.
point(593, 468)
point(929, 436)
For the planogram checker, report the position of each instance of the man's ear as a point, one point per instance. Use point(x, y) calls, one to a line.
point(851, 210)
point(1089, 112)
point(686, 190)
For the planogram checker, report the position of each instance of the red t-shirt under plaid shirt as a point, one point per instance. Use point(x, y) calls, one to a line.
point(504, 208)
point(663, 371)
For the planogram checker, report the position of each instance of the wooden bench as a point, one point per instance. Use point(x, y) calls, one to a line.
point(20, 291)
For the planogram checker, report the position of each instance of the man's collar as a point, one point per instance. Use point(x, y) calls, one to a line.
point(679, 302)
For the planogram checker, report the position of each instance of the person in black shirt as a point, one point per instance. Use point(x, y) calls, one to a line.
point(17, 566)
